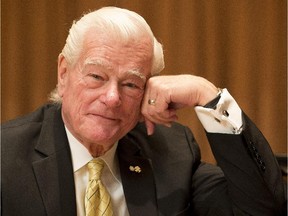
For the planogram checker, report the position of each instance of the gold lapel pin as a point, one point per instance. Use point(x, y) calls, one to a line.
point(136, 169)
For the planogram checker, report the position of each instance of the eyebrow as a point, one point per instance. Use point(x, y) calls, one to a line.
point(95, 62)
point(99, 62)
point(136, 72)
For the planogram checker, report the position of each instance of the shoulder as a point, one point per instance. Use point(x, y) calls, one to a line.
point(27, 125)
point(176, 130)
point(177, 139)
point(35, 117)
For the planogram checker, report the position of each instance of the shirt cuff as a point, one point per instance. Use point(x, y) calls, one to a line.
point(225, 118)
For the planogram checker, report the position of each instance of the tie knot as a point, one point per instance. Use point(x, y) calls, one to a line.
point(95, 167)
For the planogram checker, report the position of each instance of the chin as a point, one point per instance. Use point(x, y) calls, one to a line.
point(102, 137)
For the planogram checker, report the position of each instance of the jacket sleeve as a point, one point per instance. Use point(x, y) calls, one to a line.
point(254, 182)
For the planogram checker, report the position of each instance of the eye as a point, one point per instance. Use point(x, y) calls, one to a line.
point(131, 85)
point(96, 76)
point(132, 89)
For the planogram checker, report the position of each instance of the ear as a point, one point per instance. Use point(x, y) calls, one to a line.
point(62, 74)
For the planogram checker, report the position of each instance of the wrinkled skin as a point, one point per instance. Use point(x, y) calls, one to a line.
point(102, 92)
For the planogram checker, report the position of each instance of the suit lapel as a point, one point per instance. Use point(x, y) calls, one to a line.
point(139, 185)
point(54, 172)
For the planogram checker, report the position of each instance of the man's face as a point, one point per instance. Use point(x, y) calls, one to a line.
point(102, 92)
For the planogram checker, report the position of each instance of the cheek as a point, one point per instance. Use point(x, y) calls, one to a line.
point(73, 104)
point(132, 109)
point(76, 95)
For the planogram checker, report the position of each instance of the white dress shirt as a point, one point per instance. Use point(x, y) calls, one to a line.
point(226, 118)
point(110, 177)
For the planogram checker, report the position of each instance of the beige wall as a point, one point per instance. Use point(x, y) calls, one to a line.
point(236, 44)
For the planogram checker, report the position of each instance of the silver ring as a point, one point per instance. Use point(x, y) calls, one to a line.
point(152, 102)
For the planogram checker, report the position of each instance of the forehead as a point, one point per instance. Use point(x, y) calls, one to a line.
point(108, 48)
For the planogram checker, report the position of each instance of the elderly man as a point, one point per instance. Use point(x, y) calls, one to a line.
point(108, 144)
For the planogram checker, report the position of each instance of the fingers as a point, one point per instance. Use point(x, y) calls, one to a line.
point(149, 126)
point(158, 113)
point(155, 107)
point(167, 121)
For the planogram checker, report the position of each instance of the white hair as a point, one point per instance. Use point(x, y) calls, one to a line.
point(125, 24)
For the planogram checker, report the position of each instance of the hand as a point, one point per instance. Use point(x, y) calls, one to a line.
point(171, 93)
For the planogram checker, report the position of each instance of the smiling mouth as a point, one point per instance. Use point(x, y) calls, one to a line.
point(103, 117)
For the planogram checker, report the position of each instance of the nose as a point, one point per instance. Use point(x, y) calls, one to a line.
point(112, 97)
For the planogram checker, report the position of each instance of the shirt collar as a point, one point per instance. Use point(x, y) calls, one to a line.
point(81, 156)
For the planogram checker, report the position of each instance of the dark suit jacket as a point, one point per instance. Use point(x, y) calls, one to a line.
point(37, 174)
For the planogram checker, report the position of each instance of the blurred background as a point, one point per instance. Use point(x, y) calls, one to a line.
point(240, 45)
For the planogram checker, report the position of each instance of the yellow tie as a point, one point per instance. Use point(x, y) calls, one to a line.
point(97, 198)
